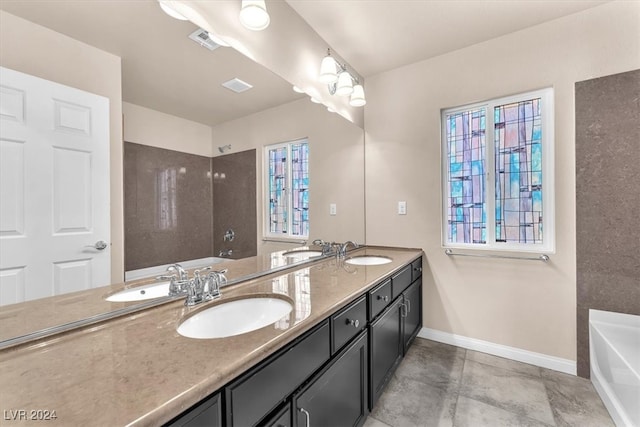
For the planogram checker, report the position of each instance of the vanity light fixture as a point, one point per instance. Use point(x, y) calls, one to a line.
point(297, 89)
point(253, 15)
point(315, 100)
point(340, 81)
point(169, 10)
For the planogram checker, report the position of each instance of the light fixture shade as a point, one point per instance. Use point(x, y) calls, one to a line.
point(253, 15)
point(357, 97)
point(345, 84)
point(171, 11)
point(328, 70)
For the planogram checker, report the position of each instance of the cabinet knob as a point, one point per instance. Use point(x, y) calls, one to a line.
point(417, 269)
point(354, 322)
point(384, 298)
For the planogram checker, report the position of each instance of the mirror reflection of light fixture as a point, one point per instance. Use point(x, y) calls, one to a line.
point(340, 81)
point(253, 15)
point(357, 97)
point(344, 86)
point(328, 69)
point(169, 10)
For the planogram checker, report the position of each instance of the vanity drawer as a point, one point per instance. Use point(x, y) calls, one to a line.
point(348, 323)
point(379, 298)
point(255, 394)
point(416, 269)
point(401, 281)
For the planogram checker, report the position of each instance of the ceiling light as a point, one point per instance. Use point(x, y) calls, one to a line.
point(253, 15)
point(169, 10)
point(345, 84)
point(297, 89)
point(357, 97)
point(328, 69)
point(340, 81)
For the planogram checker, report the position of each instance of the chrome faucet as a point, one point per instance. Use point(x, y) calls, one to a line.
point(326, 246)
point(225, 253)
point(177, 268)
point(205, 288)
point(178, 278)
point(342, 251)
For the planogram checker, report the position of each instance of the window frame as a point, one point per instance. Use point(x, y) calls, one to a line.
point(267, 235)
point(546, 96)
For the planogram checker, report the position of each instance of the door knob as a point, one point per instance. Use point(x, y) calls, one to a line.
point(99, 245)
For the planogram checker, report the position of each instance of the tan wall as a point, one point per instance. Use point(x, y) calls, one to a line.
point(35, 50)
point(336, 164)
point(150, 127)
point(528, 305)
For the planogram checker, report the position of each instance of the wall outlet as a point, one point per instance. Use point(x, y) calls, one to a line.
point(402, 208)
point(332, 209)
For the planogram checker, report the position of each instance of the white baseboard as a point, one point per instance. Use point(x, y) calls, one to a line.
point(538, 359)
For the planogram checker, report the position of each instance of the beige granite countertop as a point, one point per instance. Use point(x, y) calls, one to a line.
point(137, 370)
point(23, 318)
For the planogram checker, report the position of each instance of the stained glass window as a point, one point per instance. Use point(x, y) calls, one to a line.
point(288, 189)
point(493, 193)
point(518, 157)
point(465, 171)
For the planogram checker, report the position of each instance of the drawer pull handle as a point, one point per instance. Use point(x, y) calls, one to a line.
point(417, 269)
point(306, 414)
point(355, 323)
point(409, 305)
point(384, 298)
point(403, 310)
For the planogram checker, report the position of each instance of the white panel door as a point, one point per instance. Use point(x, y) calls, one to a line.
point(54, 188)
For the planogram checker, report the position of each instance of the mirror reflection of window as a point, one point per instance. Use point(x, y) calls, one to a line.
point(287, 178)
point(301, 295)
point(166, 199)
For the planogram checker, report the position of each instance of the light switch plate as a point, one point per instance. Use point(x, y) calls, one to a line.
point(333, 209)
point(402, 208)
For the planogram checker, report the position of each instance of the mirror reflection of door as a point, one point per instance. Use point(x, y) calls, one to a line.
point(54, 189)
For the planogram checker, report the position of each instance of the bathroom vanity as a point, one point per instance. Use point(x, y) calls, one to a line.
point(324, 364)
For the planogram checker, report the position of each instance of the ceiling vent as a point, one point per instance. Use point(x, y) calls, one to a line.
point(237, 85)
point(201, 37)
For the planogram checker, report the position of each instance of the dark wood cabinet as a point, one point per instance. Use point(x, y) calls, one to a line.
point(255, 394)
point(337, 396)
point(207, 413)
point(281, 418)
point(386, 348)
point(412, 313)
point(331, 375)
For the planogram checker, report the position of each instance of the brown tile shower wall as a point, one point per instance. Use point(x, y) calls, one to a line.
point(167, 208)
point(607, 200)
point(234, 203)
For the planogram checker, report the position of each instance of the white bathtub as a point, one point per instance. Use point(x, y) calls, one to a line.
point(161, 269)
point(614, 348)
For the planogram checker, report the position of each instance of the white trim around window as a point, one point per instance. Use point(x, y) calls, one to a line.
point(490, 241)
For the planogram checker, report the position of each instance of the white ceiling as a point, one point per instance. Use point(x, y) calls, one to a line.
point(374, 36)
point(162, 69)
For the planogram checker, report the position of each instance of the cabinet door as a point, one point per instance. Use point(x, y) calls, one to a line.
point(412, 313)
point(386, 348)
point(207, 413)
point(337, 396)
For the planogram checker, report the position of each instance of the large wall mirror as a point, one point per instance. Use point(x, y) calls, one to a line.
point(177, 116)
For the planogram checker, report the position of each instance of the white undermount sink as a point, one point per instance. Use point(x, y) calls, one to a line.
point(302, 254)
point(368, 260)
point(141, 293)
point(234, 318)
